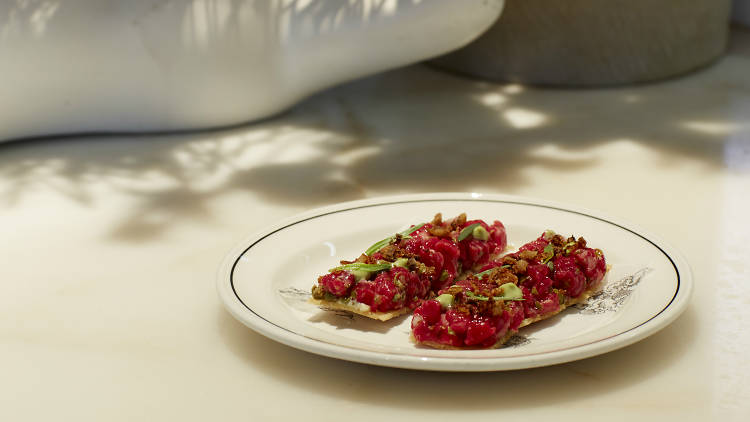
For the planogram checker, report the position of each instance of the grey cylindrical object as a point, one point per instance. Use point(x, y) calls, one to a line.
point(595, 42)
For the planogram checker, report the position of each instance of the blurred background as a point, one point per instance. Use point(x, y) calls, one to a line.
point(140, 141)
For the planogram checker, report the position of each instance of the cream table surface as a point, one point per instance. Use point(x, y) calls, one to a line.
point(110, 247)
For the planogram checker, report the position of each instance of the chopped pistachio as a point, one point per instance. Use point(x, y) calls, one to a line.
point(401, 262)
point(467, 231)
point(480, 233)
point(568, 248)
point(445, 300)
point(361, 274)
point(511, 292)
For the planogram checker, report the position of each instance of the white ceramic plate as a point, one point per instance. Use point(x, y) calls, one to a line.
point(265, 283)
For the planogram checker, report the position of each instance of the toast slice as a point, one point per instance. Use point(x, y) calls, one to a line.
point(542, 279)
point(396, 274)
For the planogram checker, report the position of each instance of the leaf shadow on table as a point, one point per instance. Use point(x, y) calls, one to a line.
point(411, 389)
point(408, 130)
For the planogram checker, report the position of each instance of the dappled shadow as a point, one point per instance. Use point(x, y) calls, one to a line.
point(413, 129)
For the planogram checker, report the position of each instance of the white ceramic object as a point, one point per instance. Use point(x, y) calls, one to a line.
point(265, 283)
point(154, 65)
point(596, 42)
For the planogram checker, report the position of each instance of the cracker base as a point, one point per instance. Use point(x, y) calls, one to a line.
point(340, 306)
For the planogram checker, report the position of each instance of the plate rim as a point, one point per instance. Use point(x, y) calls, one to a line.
point(243, 313)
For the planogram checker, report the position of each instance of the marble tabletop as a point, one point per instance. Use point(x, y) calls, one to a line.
point(111, 245)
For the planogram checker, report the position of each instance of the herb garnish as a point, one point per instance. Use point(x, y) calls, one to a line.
point(467, 231)
point(361, 266)
point(379, 245)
